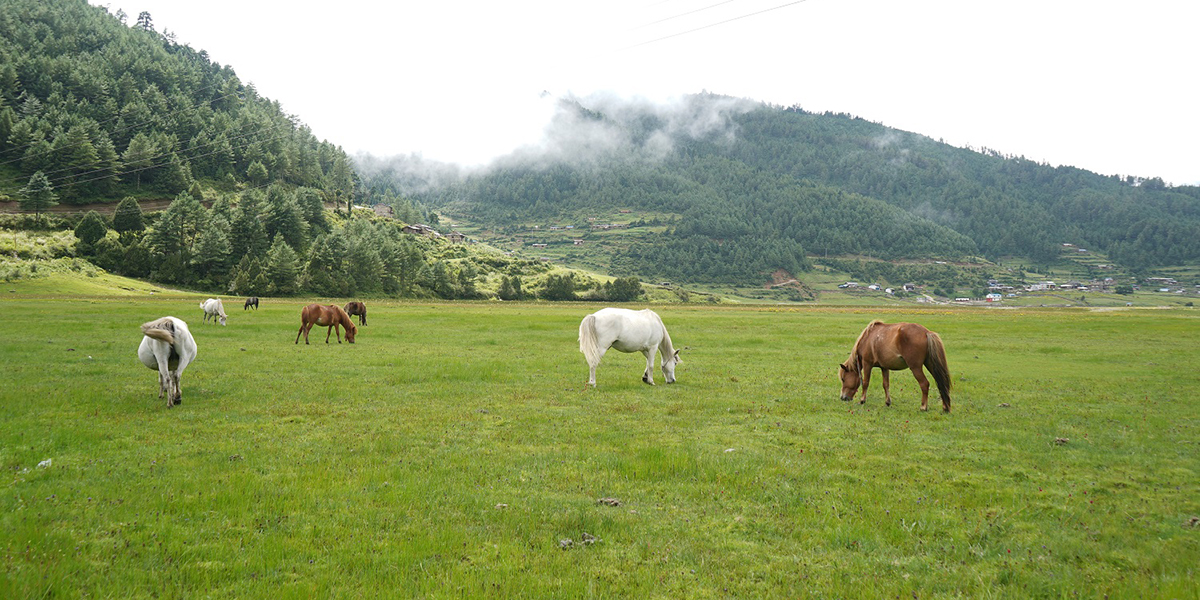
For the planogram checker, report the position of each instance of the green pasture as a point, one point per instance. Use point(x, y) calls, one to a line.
point(452, 451)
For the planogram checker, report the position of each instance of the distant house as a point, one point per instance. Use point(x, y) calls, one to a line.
point(625, 211)
point(578, 242)
point(993, 297)
point(384, 210)
point(419, 229)
point(456, 237)
point(538, 245)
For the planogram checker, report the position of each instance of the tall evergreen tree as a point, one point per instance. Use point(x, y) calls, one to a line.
point(128, 216)
point(38, 195)
point(282, 268)
point(91, 228)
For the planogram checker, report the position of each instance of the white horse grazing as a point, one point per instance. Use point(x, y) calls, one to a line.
point(168, 347)
point(213, 308)
point(628, 331)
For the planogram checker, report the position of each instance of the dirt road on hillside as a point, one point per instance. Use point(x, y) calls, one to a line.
point(104, 208)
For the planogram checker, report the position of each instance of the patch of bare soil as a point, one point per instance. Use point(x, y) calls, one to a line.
point(783, 279)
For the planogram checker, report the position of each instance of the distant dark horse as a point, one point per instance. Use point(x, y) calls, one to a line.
point(891, 347)
point(357, 308)
point(251, 301)
point(331, 316)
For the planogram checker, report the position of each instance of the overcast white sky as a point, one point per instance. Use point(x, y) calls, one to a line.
point(1106, 86)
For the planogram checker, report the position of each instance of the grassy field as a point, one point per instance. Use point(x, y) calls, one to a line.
point(452, 451)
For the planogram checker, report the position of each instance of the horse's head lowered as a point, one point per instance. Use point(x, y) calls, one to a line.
point(350, 328)
point(668, 366)
point(851, 375)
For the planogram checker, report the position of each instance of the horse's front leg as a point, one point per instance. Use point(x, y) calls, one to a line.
point(648, 376)
point(887, 393)
point(866, 381)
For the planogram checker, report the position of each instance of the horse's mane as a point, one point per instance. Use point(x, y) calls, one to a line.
point(854, 351)
point(665, 346)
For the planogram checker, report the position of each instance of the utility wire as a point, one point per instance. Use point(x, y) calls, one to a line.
point(667, 37)
point(155, 166)
point(153, 119)
point(163, 152)
point(680, 15)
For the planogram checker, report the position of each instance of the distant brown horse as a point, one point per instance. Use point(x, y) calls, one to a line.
point(330, 316)
point(357, 308)
point(892, 347)
point(251, 301)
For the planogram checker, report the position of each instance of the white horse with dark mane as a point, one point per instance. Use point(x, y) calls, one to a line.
point(167, 346)
point(628, 331)
point(215, 309)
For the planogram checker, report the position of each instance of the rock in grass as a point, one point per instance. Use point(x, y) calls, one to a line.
point(609, 502)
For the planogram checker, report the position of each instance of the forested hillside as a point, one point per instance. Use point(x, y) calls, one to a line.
point(98, 107)
point(753, 188)
point(106, 108)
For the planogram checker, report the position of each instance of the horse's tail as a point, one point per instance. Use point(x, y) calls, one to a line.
point(935, 361)
point(587, 340)
point(160, 329)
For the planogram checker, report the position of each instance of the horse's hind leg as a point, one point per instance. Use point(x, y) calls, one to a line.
point(924, 382)
point(299, 332)
point(177, 398)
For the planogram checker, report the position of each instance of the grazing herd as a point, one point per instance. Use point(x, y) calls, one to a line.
point(168, 347)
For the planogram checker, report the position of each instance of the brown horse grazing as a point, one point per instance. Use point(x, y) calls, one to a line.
point(330, 316)
point(891, 347)
point(357, 308)
point(251, 301)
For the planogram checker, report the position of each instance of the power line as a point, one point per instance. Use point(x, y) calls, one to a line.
point(153, 119)
point(680, 15)
point(171, 149)
point(161, 164)
point(667, 37)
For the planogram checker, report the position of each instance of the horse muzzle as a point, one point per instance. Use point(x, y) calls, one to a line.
point(845, 398)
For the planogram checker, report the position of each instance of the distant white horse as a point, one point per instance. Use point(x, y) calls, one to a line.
point(628, 331)
point(213, 308)
point(168, 347)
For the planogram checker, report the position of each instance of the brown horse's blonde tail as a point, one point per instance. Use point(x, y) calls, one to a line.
point(935, 361)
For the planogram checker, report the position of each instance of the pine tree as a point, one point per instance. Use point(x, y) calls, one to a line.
point(91, 229)
point(282, 268)
point(128, 217)
point(213, 248)
point(38, 195)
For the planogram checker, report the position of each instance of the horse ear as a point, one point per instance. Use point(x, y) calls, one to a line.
point(842, 367)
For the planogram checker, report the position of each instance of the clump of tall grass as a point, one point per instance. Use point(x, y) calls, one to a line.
point(36, 245)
